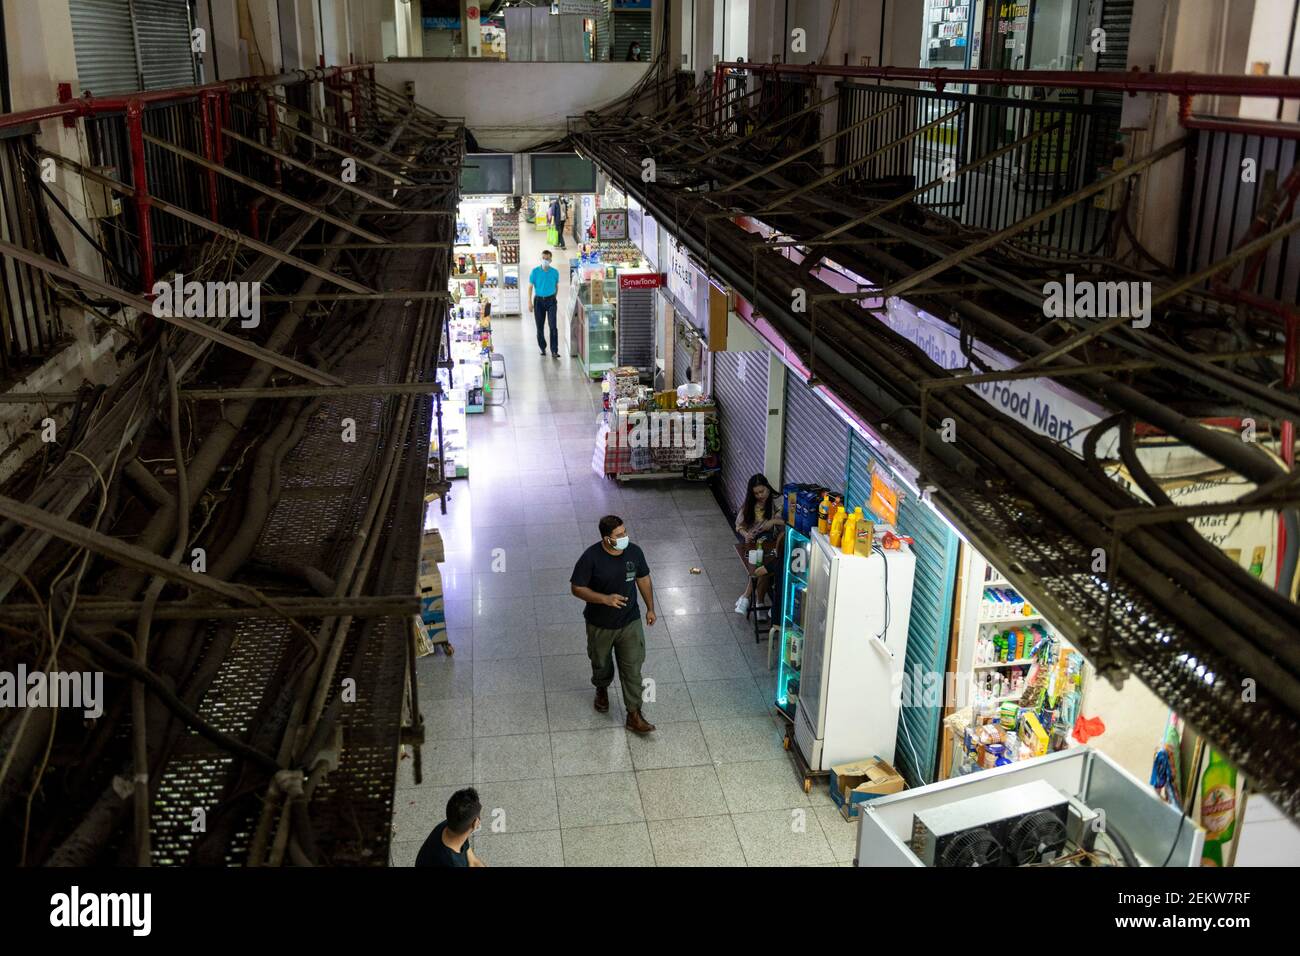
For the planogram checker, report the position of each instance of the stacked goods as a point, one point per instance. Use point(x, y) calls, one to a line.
point(433, 619)
point(625, 382)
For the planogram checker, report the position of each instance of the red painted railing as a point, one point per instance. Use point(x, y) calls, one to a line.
point(215, 111)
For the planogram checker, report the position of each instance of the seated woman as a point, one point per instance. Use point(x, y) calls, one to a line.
point(759, 525)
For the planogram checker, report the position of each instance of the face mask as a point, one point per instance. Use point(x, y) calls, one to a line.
point(621, 543)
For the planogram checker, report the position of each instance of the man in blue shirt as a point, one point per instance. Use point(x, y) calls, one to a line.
point(543, 283)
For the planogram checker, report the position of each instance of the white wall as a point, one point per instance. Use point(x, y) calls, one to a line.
point(512, 105)
point(1267, 838)
point(1270, 36)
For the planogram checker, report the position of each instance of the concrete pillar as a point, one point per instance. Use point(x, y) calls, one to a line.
point(702, 47)
point(222, 56)
point(679, 52)
point(774, 448)
point(259, 33)
point(471, 29)
point(1172, 35)
point(765, 29)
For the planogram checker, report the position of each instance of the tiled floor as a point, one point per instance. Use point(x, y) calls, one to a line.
point(510, 713)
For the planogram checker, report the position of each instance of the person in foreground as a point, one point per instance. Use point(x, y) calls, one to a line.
point(448, 844)
point(607, 577)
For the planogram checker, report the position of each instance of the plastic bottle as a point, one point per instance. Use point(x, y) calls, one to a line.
point(837, 527)
point(848, 534)
point(824, 514)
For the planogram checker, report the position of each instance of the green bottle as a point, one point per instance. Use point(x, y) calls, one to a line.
point(1218, 808)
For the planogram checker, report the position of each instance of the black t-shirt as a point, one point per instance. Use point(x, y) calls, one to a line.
point(436, 853)
point(606, 573)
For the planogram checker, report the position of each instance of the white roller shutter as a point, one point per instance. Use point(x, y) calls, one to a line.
point(104, 44)
point(740, 387)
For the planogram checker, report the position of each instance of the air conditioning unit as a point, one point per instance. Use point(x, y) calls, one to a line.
point(1012, 827)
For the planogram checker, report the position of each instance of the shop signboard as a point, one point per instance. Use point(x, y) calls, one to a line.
point(641, 280)
point(643, 231)
point(582, 8)
point(1039, 404)
point(682, 279)
point(632, 4)
point(611, 225)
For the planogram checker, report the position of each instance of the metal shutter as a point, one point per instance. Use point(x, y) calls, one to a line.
point(816, 448)
point(935, 547)
point(604, 30)
point(684, 345)
point(104, 44)
point(740, 387)
point(163, 32)
point(636, 328)
point(632, 25)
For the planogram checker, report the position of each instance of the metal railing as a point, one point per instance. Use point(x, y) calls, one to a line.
point(1232, 172)
point(1064, 146)
point(28, 315)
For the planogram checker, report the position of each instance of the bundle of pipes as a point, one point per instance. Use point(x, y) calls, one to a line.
point(178, 668)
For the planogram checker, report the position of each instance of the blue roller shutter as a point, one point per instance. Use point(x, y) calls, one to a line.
point(816, 447)
point(935, 547)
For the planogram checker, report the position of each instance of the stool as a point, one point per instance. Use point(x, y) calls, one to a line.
point(760, 626)
point(498, 361)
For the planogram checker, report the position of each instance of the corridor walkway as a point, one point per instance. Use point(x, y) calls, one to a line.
point(511, 712)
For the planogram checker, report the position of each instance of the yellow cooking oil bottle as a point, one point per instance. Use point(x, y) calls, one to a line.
point(824, 514)
point(865, 531)
point(849, 536)
point(837, 526)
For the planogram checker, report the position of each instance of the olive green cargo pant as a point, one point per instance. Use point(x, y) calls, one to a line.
point(626, 645)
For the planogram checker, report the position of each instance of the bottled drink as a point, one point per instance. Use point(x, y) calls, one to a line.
point(1218, 808)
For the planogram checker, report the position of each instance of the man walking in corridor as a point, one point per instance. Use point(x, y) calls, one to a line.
point(608, 576)
point(543, 284)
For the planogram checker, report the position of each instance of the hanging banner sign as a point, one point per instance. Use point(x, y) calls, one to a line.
point(683, 278)
point(611, 225)
point(1038, 403)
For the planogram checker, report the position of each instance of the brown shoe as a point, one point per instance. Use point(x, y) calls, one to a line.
point(602, 700)
point(638, 724)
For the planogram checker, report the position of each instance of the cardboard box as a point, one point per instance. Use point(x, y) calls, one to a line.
point(853, 784)
point(431, 547)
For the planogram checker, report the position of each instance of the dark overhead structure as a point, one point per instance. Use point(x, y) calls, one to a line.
point(230, 531)
point(975, 240)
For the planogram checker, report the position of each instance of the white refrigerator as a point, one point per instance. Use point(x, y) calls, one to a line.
point(855, 642)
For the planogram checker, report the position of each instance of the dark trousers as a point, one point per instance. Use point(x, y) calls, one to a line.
point(624, 645)
point(560, 232)
point(544, 310)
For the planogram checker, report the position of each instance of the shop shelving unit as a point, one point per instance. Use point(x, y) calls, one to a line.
point(596, 347)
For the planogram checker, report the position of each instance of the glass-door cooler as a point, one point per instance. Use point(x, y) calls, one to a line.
point(793, 610)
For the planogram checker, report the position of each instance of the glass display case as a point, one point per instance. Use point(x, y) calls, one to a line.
point(455, 431)
point(794, 588)
point(596, 313)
